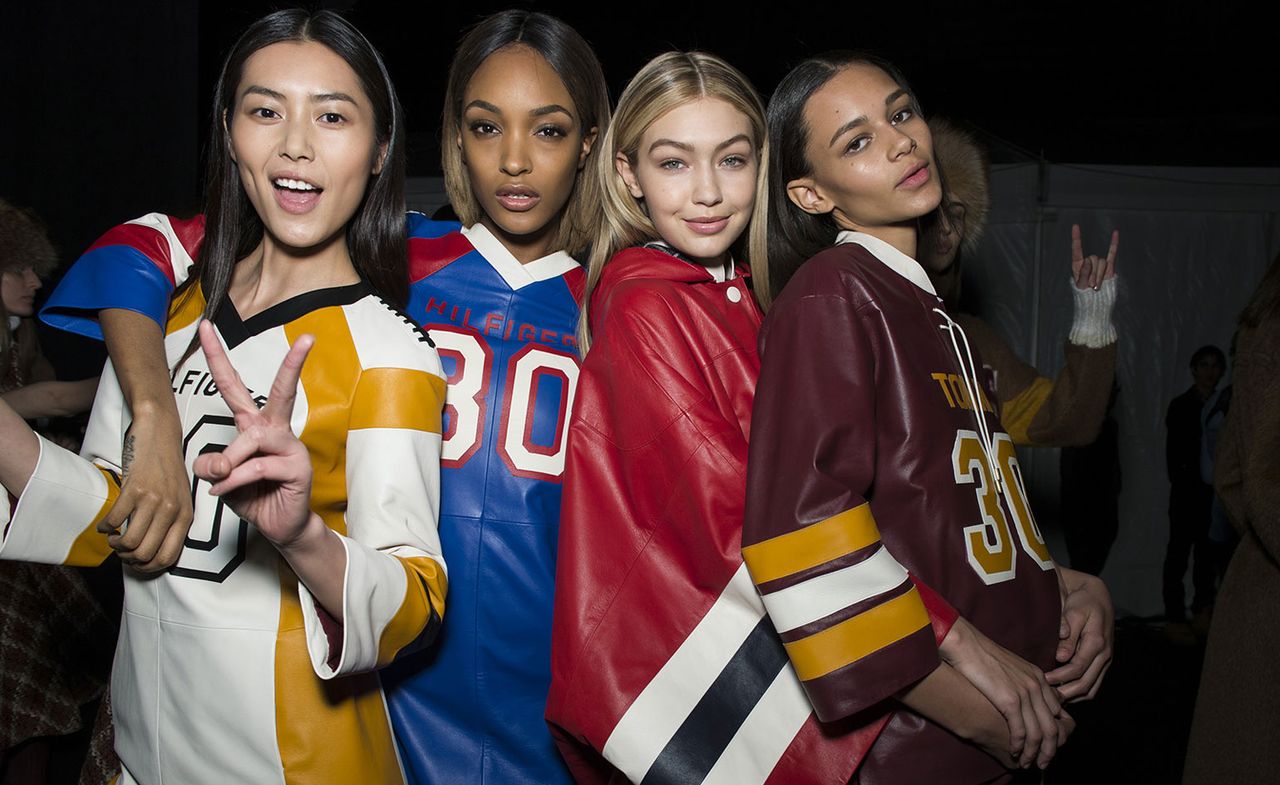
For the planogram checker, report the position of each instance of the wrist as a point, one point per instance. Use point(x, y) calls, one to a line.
point(311, 537)
point(1091, 324)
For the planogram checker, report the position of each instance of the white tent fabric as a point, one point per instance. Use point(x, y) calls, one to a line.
point(1193, 244)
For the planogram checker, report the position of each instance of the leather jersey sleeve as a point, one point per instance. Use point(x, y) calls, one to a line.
point(853, 623)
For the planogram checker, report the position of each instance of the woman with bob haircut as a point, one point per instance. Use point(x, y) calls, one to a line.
point(890, 467)
point(499, 295)
point(314, 558)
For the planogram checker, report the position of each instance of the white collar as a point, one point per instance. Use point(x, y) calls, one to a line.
point(516, 274)
point(892, 258)
point(14, 321)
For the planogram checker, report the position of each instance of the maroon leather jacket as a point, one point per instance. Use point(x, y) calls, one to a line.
point(661, 650)
point(867, 457)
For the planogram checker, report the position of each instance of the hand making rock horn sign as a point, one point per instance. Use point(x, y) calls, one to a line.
point(1090, 271)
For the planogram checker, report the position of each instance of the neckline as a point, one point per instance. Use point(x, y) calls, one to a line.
point(721, 274)
point(517, 274)
point(236, 330)
point(890, 257)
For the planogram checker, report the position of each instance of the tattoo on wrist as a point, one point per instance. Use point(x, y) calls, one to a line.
point(126, 457)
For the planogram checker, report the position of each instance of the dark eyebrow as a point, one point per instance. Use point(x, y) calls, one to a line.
point(542, 111)
point(895, 95)
point(485, 105)
point(320, 98)
point(733, 141)
point(670, 142)
point(259, 90)
point(317, 98)
point(845, 128)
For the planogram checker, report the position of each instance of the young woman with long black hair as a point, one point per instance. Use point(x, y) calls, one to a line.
point(314, 557)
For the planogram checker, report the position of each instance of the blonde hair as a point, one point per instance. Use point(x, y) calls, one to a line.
point(664, 83)
point(572, 58)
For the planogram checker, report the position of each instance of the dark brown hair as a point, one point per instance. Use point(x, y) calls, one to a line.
point(572, 58)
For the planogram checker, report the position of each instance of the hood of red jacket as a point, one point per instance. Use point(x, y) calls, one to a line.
point(643, 262)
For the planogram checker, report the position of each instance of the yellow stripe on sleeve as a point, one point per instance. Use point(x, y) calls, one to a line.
point(424, 575)
point(1021, 410)
point(90, 548)
point(398, 398)
point(819, 543)
point(855, 638)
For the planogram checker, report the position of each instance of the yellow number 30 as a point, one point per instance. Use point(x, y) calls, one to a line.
point(990, 544)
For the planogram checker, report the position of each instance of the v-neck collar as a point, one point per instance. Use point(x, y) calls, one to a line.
point(891, 257)
point(236, 330)
point(516, 274)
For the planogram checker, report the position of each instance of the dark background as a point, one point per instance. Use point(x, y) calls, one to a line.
point(107, 106)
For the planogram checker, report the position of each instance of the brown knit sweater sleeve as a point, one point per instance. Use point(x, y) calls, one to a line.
point(1041, 412)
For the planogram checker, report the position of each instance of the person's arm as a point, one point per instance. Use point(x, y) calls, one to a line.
point(121, 287)
point(59, 497)
point(856, 629)
point(155, 498)
point(52, 399)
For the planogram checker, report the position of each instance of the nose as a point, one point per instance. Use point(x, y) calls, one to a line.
point(706, 187)
point(296, 144)
point(32, 280)
point(515, 155)
point(903, 144)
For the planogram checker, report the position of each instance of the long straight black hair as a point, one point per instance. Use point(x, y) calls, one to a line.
point(376, 233)
point(794, 235)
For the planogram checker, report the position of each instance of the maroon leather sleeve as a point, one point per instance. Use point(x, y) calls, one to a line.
point(809, 533)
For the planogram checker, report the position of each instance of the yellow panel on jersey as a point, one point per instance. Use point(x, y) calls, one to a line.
point(329, 378)
point(818, 543)
point(1020, 411)
point(428, 580)
point(397, 398)
point(855, 638)
point(91, 548)
point(332, 731)
point(185, 309)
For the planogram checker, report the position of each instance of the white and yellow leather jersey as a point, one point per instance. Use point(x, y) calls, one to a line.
point(226, 669)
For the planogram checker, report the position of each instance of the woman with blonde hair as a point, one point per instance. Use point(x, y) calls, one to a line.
point(664, 666)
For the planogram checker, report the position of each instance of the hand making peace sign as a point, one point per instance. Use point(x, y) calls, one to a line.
point(264, 475)
point(1090, 271)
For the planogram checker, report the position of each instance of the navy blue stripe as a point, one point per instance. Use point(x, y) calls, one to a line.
point(709, 728)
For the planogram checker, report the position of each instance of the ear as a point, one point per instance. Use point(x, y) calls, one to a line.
point(462, 151)
point(623, 166)
point(805, 194)
point(588, 141)
point(382, 158)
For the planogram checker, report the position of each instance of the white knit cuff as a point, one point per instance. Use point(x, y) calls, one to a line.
point(1091, 325)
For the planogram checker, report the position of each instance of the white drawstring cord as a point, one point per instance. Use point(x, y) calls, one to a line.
point(969, 369)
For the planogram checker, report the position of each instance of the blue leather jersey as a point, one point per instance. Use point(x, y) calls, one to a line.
point(471, 709)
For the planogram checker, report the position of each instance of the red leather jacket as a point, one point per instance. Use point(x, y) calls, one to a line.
point(664, 664)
